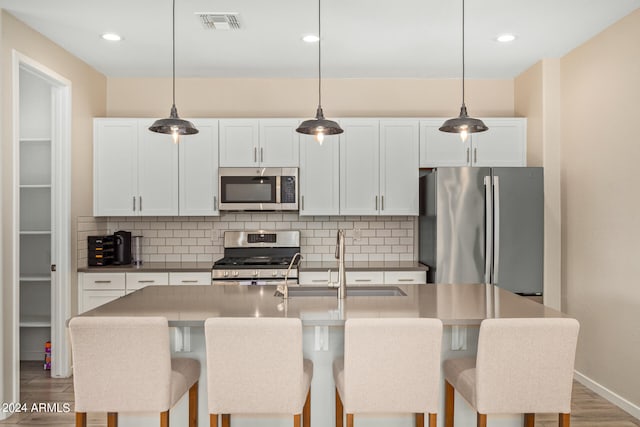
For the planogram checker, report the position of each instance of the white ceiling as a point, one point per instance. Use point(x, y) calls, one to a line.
point(361, 38)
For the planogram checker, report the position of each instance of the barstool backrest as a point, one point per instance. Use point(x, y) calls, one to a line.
point(121, 364)
point(525, 365)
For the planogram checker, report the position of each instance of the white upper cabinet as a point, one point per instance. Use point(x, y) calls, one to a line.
point(115, 167)
point(157, 172)
point(198, 172)
point(399, 142)
point(253, 142)
point(319, 176)
point(504, 144)
point(359, 167)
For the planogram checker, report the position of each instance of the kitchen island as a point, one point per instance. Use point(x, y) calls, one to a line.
point(460, 307)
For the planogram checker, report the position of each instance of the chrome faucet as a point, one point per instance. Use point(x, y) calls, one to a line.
point(283, 289)
point(341, 284)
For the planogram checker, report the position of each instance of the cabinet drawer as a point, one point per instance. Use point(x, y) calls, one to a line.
point(140, 280)
point(405, 277)
point(316, 278)
point(195, 278)
point(365, 278)
point(104, 281)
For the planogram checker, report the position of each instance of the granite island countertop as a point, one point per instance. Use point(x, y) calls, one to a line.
point(363, 266)
point(458, 304)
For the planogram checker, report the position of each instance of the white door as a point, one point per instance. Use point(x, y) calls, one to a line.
point(239, 142)
point(399, 167)
point(115, 162)
point(504, 144)
point(157, 172)
point(93, 299)
point(439, 148)
point(198, 170)
point(279, 143)
point(359, 167)
point(319, 176)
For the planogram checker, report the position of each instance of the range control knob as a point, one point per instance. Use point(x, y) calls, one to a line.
point(226, 274)
point(274, 273)
point(255, 273)
point(235, 274)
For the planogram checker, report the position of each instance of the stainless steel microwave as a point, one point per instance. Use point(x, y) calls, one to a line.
point(258, 189)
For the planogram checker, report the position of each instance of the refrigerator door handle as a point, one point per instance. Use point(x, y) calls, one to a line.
point(496, 234)
point(488, 206)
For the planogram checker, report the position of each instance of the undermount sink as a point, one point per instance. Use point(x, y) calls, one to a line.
point(360, 291)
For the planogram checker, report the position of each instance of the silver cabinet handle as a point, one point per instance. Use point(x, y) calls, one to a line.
point(302, 202)
point(146, 281)
point(255, 154)
point(189, 281)
point(382, 203)
point(467, 154)
point(261, 154)
point(488, 206)
point(215, 203)
point(140, 197)
point(405, 280)
point(363, 280)
point(475, 155)
point(376, 202)
point(102, 281)
point(319, 281)
point(496, 232)
point(134, 203)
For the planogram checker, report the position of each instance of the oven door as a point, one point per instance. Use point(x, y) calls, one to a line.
point(258, 189)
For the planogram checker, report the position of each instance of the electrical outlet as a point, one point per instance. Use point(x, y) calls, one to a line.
point(322, 338)
point(458, 338)
point(357, 233)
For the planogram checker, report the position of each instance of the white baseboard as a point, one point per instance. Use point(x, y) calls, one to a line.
point(611, 396)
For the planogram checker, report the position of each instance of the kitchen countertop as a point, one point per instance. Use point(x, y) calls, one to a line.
point(151, 267)
point(458, 304)
point(363, 266)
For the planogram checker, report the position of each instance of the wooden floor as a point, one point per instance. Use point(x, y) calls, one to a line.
point(589, 409)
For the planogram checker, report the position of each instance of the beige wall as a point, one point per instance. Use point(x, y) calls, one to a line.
point(601, 204)
point(201, 97)
point(88, 100)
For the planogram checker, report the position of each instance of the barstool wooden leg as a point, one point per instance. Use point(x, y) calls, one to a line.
point(482, 420)
point(81, 419)
point(564, 420)
point(226, 420)
point(339, 411)
point(529, 420)
point(164, 419)
point(349, 420)
point(419, 420)
point(213, 420)
point(433, 420)
point(448, 404)
point(296, 420)
point(193, 405)
point(306, 411)
point(112, 419)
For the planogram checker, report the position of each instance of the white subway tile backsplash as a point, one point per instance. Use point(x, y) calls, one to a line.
point(201, 238)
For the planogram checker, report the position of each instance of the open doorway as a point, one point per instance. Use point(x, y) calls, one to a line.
point(41, 215)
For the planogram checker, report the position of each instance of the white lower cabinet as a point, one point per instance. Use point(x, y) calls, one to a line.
point(405, 277)
point(364, 278)
point(137, 281)
point(196, 278)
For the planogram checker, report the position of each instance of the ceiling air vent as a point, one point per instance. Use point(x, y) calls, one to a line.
point(219, 20)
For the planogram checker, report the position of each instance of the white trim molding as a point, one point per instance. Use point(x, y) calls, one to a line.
point(611, 396)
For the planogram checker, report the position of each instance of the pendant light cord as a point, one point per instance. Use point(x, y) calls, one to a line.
point(462, 52)
point(319, 56)
point(174, 51)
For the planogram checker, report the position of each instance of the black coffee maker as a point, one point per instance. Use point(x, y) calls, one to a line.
point(122, 242)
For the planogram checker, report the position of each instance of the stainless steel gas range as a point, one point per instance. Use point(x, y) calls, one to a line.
point(258, 258)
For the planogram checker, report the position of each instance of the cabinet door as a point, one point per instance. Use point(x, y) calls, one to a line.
point(238, 143)
point(279, 143)
point(359, 167)
point(199, 170)
point(157, 172)
point(399, 167)
point(504, 144)
point(441, 148)
point(319, 176)
point(115, 162)
point(93, 299)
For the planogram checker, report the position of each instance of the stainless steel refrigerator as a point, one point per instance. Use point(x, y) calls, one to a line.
point(483, 225)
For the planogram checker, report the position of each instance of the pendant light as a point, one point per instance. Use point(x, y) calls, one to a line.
point(463, 124)
point(319, 127)
point(174, 125)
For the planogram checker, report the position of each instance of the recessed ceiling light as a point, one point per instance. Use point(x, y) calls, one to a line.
point(311, 38)
point(506, 38)
point(112, 37)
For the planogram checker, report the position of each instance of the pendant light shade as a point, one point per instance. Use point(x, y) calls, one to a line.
point(174, 125)
point(463, 124)
point(319, 126)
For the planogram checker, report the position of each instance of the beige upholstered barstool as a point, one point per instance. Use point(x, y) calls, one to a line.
point(522, 366)
point(123, 364)
point(389, 365)
point(255, 366)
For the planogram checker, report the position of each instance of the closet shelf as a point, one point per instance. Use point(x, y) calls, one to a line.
point(36, 278)
point(35, 321)
point(35, 232)
point(35, 139)
point(35, 185)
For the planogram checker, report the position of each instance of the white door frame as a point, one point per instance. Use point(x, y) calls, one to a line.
point(61, 218)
